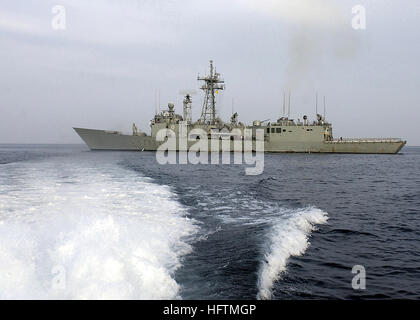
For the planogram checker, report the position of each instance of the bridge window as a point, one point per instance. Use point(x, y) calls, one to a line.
point(278, 130)
point(273, 130)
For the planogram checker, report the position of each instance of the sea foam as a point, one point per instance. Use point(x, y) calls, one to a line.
point(88, 231)
point(288, 237)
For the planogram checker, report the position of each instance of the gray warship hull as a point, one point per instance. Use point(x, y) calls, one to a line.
point(114, 140)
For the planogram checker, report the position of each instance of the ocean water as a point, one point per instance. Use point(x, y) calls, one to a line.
point(76, 224)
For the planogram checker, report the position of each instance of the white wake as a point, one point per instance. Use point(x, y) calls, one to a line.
point(88, 231)
point(288, 237)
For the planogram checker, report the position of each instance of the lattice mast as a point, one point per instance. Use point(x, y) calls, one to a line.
point(212, 83)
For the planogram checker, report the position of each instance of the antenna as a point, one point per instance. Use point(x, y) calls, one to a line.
point(288, 115)
point(316, 103)
point(158, 100)
point(155, 102)
point(232, 104)
point(284, 103)
point(324, 107)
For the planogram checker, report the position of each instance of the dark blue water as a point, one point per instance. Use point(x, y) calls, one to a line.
point(293, 232)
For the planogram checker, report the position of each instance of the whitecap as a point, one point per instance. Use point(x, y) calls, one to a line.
point(288, 237)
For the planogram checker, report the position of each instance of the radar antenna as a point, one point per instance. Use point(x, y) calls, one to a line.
point(212, 83)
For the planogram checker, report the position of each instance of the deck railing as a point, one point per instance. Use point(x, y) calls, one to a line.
point(357, 140)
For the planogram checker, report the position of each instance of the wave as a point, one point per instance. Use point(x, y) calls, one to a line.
point(89, 231)
point(288, 237)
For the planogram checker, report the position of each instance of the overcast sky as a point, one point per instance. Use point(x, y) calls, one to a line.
point(104, 69)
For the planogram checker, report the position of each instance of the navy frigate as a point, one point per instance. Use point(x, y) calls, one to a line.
point(283, 135)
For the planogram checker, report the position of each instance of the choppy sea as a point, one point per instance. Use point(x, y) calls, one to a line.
point(77, 224)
